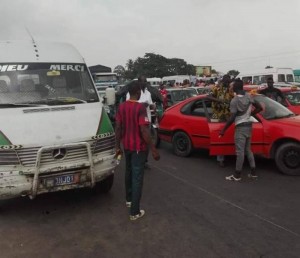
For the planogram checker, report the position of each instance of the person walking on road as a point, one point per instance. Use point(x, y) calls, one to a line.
point(132, 129)
point(240, 109)
point(146, 99)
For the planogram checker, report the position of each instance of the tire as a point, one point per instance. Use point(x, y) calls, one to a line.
point(287, 158)
point(105, 185)
point(154, 136)
point(182, 145)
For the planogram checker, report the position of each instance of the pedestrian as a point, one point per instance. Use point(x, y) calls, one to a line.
point(164, 93)
point(132, 130)
point(221, 96)
point(146, 100)
point(240, 110)
point(272, 92)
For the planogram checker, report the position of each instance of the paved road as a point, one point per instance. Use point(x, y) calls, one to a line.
point(191, 211)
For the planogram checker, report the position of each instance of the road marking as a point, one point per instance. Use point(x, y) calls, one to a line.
point(226, 201)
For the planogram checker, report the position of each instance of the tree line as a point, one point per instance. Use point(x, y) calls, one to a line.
point(154, 65)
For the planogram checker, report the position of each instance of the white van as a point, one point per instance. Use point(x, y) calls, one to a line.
point(175, 78)
point(54, 134)
point(154, 81)
point(279, 75)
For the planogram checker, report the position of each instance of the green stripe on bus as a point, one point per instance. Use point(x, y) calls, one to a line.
point(4, 140)
point(105, 124)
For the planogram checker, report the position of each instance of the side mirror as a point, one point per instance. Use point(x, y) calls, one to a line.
point(110, 96)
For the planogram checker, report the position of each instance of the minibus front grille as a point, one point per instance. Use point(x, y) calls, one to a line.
point(28, 156)
point(8, 157)
point(103, 144)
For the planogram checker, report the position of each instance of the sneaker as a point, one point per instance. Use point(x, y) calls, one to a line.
point(128, 204)
point(135, 217)
point(233, 178)
point(252, 175)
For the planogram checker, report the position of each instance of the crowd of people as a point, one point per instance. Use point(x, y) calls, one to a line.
point(230, 104)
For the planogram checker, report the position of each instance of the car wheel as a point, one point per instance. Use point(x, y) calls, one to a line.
point(287, 158)
point(182, 144)
point(105, 185)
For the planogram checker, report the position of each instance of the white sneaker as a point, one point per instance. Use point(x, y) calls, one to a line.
point(233, 178)
point(135, 217)
point(128, 204)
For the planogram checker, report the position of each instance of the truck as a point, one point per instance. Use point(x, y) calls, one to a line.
point(55, 134)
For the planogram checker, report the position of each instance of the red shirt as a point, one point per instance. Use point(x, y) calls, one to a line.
point(131, 115)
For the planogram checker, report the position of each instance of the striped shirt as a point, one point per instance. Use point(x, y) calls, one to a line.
point(131, 115)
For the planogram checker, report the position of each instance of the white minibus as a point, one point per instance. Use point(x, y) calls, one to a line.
point(279, 75)
point(54, 132)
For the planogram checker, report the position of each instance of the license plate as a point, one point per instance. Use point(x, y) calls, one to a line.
point(62, 180)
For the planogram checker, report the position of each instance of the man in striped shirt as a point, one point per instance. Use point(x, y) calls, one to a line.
point(132, 129)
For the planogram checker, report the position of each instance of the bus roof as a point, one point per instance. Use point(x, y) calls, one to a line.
point(27, 51)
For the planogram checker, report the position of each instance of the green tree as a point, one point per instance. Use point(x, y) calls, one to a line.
point(154, 65)
point(119, 70)
point(233, 73)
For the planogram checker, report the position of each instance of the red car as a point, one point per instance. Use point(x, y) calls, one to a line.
point(188, 125)
point(292, 96)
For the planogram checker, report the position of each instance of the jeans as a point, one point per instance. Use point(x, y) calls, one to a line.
point(242, 139)
point(134, 176)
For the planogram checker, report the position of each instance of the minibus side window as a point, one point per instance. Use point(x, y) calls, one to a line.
point(256, 80)
point(281, 78)
point(289, 78)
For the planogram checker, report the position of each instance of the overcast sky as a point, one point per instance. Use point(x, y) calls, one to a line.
point(244, 35)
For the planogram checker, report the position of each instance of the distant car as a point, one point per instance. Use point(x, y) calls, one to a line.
point(292, 95)
point(188, 125)
point(199, 90)
point(292, 98)
point(176, 95)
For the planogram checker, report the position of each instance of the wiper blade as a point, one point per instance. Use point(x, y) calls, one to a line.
point(9, 105)
point(60, 100)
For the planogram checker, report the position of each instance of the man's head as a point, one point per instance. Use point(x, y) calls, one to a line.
point(134, 89)
point(162, 86)
point(143, 81)
point(226, 80)
point(270, 82)
point(238, 86)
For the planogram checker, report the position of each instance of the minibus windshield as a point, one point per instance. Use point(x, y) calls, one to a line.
point(45, 84)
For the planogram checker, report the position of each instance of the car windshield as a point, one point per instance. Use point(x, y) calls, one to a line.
point(45, 84)
point(180, 95)
point(192, 92)
point(293, 98)
point(272, 109)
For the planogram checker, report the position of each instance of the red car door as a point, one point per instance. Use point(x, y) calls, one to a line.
point(195, 123)
point(225, 144)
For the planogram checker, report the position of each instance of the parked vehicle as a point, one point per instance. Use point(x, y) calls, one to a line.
point(176, 95)
point(177, 78)
point(297, 75)
point(199, 90)
point(54, 133)
point(154, 82)
point(292, 96)
point(279, 75)
point(188, 125)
